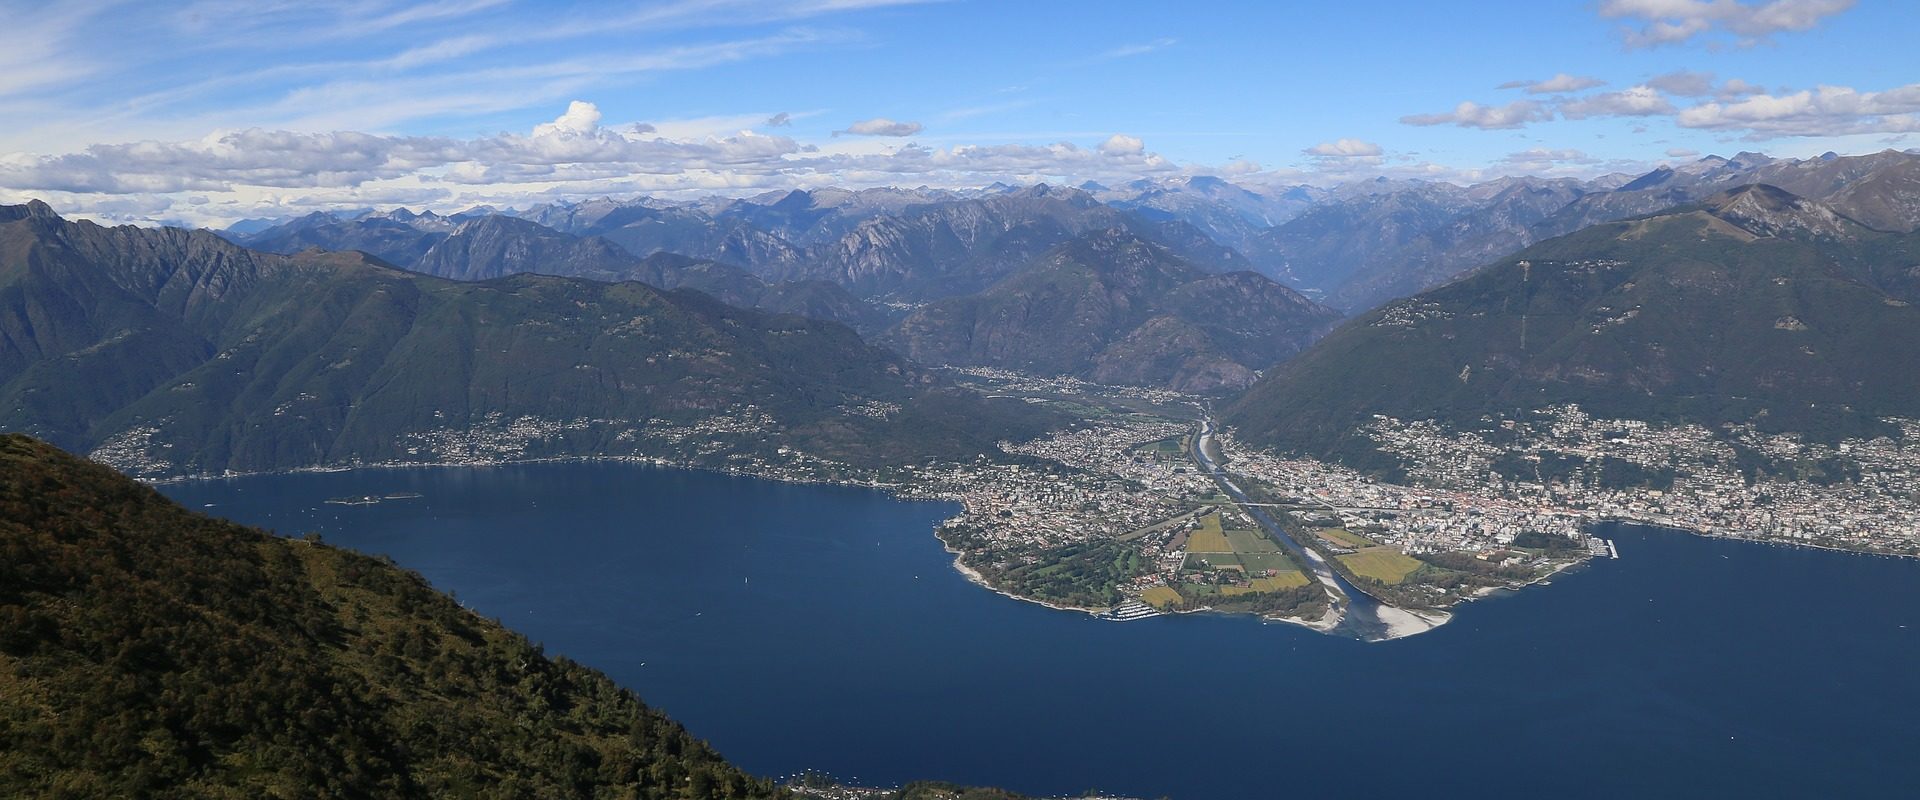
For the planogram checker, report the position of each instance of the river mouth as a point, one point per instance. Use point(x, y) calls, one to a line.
point(1362, 616)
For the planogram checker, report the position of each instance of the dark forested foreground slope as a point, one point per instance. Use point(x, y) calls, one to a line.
point(168, 351)
point(148, 651)
point(1754, 306)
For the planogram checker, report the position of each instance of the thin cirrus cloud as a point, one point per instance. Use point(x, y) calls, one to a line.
point(881, 126)
point(1139, 49)
point(1344, 148)
point(1557, 84)
point(1652, 23)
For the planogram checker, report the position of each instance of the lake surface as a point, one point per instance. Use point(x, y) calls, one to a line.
point(823, 627)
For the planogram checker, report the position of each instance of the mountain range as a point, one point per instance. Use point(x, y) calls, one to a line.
point(1375, 241)
point(167, 351)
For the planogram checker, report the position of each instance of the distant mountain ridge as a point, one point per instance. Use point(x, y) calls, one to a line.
point(1353, 246)
point(486, 246)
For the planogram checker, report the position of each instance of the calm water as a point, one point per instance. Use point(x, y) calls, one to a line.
point(818, 627)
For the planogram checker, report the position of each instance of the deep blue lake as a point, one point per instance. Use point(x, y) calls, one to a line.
point(818, 627)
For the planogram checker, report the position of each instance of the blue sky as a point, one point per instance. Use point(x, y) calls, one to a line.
point(216, 109)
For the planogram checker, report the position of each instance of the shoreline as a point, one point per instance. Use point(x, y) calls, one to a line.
point(1406, 622)
point(974, 577)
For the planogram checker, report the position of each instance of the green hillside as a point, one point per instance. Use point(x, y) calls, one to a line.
point(1113, 307)
point(1756, 306)
point(147, 651)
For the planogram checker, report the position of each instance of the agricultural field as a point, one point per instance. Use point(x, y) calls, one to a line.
point(1211, 561)
point(1285, 580)
point(1209, 538)
point(1345, 538)
point(1160, 597)
point(1251, 542)
point(1383, 564)
point(1256, 562)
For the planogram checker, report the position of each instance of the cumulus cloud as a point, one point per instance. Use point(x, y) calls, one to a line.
point(1473, 115)
point(881, 126)
point(1825, 111)
point(1558, 84)
point(1637, 101)
point(780, 120)
point(1121, 144)
point(1683, 83)
point(582, 118)
point(1240, 166)
point(1651, 23)
point(1344, 148)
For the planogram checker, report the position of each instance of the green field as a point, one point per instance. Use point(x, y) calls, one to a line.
point(1160, 597)
point(1209, 538)
point(1345, 538)
point(1251, 542)
point(1284, 580)
point(1213, 561)
point(1383, 564)
point(1256, 562)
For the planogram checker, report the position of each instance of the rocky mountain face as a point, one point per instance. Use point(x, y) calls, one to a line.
point(1878, 190)
point(810, 217)
point(1365, 247)
point(172, 352)
point(497, 246)
point(486, 246)
point(1753, 306)
point(961, 247)
point(1232, 215)
point(1114, 307)
point(397, 237)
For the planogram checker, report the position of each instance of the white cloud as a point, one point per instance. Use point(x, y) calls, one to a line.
point(1637, 101)
point(1542, 159)
point(1650, 23)
point(881, 126)
point(780, 120)
point(1240, 166)
point(1825, 111)
point(1681, 152)
point(1683, 83)
point(1121, 144)
point(1557, 84)
point(582, 118)
point(1344, 148)
point(1473, 115)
